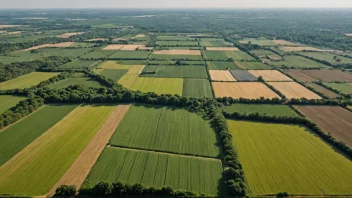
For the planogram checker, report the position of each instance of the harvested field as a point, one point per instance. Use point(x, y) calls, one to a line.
point(175, 71)
point(238, 55)
point(178, 52)
point(328, 118)
point(166, 129)
point(345, 88)
point(300, 75)
point(80, 169)
point(114, 47)
point(252, 65)
point(201, 175)
point(270, 75)
point(221, 65)
point(156, 85)
point(131, 47)
point(7, 101)
point(299, 49)
point(283, 42)
point(221, 75)
point(323, 90)
point(27, 80)
point(249, 90)
point(262, 109)
point(294, 90)
point(289, 158)
point(30, 172)
point(243, 75)
point(196, 88)
point(68, 35)
point(222, 49)
point(329, 75)
point(18, 136)
point(345, 34)
point(56, 45)
point(9, 26)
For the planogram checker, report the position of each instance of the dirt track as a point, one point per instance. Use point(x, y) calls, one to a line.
point(80, 169)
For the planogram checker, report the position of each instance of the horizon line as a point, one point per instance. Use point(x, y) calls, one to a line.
point(176, 8)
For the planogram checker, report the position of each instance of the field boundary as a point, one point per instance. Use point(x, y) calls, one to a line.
point(83, 164)
point(162, 152)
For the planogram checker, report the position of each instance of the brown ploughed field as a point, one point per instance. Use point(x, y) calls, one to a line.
point(294, 90)
point(300, 75)
point(329, 75)
point(323, 90)
point(331, 119)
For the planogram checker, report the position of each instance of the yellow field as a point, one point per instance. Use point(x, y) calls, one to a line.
point(270, 75)
point(294, 90)
point(27, 81)
point(158, 85)
point(221, 75)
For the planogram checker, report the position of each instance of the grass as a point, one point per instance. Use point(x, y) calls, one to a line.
point(171, 62)
point(80, 64)
point(176, 71)
point(174, 38)
point(6, 102)
point(123, 55)
point(178, 43)
point(77, 79)
point(345, 88)
point(262, 52)
point(238, 55)
point(214, 55)
point(27, 81)
point(252, 65)
point(288, 158)
point(98, 54)
point(66, 52)
point(262, 109)
point(258, 41)
point(157, 169)
point(328, 57)
point(197, 88)
point(298, 62)
point(221, 65)
point(214, 43)
point(166, 129)
point(113, 74)
point(175, 57)
point(131, 62)
point(19, 135)
point(157, 85)
point(31, 173)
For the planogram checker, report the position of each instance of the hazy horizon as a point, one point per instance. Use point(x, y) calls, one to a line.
point(167, 4)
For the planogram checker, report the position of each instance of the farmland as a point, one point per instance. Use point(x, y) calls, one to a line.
point(30, 171)
point(300, 75)
point(215, 55)
point(294, 90)
point(133, 55)
point(345, 88)
point(80, 64)
point(238, 56)
point(268, 152)
point(156, 85)
point(258, 41)
point(27, 80)
point(328, 117)
point(252, 65)
point(98, 54)
point(291, 61)
point(329, 75)
point(196, 88)
point(270, 75)
point(113, 74)
point(263, 109)
point(175, 71)
point(177, 43)
point(243, 75)
point(221, 65)
point(176, 57)
point(8, 101)
point(330, 58)
point(221, 75)
point(266, 53)
point(166, 129)
point(77, 79)
point(200, 175)
point(249, 90)
point(323, 90)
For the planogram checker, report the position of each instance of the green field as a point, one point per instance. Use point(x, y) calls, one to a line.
point(345, 88)
point(239, 55)
point(263, 53)
point(124, 55)
point(258, 41)
point(166, 129)
point(172, 62)
point(298, 62)
point(178, 43)
point(175, 38)
point(6, 102)
point(113, 74)
point(157, 85)
point(98, 54)
point(66, 52)
point(27, 81)
point(328, 57)
point(221, 65)
point(199, 175)
point(77, 79)
point(30, 172)
point(80, 64)
point(17, 136)
point(262, 109)
point(176, 71)
point(214, 43)
point(288, 158)
point(175, 57)
point(197, 88)
point(214, 55)
point(131, 62)
point(252, 65)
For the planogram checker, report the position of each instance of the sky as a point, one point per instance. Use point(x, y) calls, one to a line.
point(175, 4)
